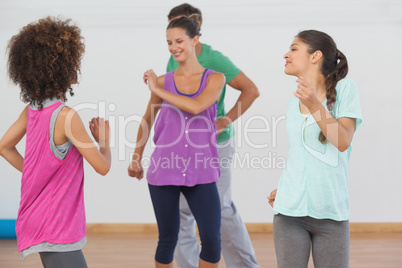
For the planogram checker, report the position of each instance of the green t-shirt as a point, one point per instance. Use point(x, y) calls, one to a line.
point(215, 60)
point(315, 180)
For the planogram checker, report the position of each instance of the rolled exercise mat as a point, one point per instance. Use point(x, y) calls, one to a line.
point(7, 229)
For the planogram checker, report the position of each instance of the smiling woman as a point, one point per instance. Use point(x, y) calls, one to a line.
point(195, 91)
point(311, 205)
point(179, 24)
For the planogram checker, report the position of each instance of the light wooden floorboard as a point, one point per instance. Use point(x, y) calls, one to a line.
point(368, 250)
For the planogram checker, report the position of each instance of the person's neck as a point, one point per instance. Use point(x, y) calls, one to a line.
point(198, 49)
point(317, 81)
point(61, 98)
point(189, 67)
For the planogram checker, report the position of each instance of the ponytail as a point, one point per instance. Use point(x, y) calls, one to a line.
point(196, 18)
point(339, 72)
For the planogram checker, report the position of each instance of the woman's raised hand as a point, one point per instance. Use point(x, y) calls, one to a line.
point(306, 94)
point(100, 130)
point(150, 79)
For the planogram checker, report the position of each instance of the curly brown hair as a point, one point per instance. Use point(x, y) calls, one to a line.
point(45, 58)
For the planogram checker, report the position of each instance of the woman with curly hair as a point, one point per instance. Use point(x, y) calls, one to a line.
point(311, 205)
point(44, 59)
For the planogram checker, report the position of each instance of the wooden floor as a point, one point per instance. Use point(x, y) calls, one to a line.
point(370, 250)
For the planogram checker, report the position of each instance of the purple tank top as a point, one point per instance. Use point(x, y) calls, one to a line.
point(186, 144)
point(52, 195)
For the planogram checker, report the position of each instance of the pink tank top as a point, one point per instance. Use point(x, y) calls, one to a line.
point(52, 195)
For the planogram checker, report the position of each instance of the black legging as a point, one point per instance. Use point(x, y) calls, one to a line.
point(63, 259)
point(203, 200)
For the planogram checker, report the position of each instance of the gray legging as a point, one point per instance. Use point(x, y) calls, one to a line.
point(63, 259)
point(328, 240)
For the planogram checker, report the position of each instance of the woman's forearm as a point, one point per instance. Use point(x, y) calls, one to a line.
point(336, 133)
point(13, 157)
point(144, 130)
point(182, 102)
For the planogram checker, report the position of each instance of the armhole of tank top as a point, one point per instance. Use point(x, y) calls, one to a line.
point(167, 83)
point(59, 151)
point(207, 73)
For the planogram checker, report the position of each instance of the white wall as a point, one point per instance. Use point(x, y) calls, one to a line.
point(124, 38)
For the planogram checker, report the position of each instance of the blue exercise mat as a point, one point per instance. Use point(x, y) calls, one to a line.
point(7, 229)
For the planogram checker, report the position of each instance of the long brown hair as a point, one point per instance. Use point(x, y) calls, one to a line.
point(334, 65)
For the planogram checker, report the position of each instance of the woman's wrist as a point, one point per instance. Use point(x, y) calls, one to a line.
point(136, 157)
point(156, 90)
point(225, 121)
point(316, 106)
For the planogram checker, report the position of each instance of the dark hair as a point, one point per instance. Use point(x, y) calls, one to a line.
point(185, 10)
point(189, 24)
point(44, 59)
point(334, 65)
